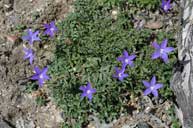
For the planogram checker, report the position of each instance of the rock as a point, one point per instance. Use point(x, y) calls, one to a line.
point(153, 25)
point(142, 125)
point(3, 124)
point(21, 123)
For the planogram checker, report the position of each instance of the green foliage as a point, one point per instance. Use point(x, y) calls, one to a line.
point(30, 87)
point(41, 101)
point(89, 42)
point(20, 27)
point(175, 121)
point(109, 2)
point(148, 4)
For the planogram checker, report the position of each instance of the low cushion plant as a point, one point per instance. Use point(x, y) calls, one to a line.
point(88, 45)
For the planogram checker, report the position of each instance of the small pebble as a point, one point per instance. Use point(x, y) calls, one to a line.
point(142, 125)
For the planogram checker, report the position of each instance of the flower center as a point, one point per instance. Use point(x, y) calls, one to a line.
point(88, 91)
point(161, 51)
point(29, 54)
point(120, 74)
point(152, 88)
point(165, 7)
point(52, 29)
point(41, 76)
point(126, 60)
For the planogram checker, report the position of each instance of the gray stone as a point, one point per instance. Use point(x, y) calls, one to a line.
point(3, 124)
point(182, 81)
point(142, 125)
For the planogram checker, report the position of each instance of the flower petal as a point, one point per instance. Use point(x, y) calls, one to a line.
point(116, 69)
point(93, 90)
point(31, 60)
point(155, 45)
point(164, 43)
point(37, 70)
point(88, 85)
point(153, 81)
point(158, 86)
point(25, 49)
point(46, 26)
point(123, 67)
point(82, 88)
point(31, 42)
point(155, 93)
point(164, 56)
point(125, 75)
point(83, 95)
point(35, 77)
point(45, 70)
point(89, 97)
point(120, 58)
point(131, 64)
point(37, 39)
point(147, 91)
point(40, 82)
point(131, 57)
point(25, 56)
point(55, 29)
point(29, 31)
point(51, 34)
point(125, 53)
point(46, 32)
point(36, 33)
point(120, 78)
point(52, 23)
point(146, 84)
point(163, 2)
point(168, 49)
point(25, 38)
point(46, 77)
point(155, 55)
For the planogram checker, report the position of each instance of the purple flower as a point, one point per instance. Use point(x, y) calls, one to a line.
point(40, 75)
point(28, 55)
point(120, 73)
point(50, 29)
point(31, 37)
point(126, 59)
point(166, 5)
point(87, 91)
point(152, 87)
point(161, 50)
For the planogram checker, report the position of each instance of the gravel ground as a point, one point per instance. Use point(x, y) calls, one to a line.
point(19, 109)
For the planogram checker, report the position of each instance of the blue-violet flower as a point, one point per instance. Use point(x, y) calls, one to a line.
point(40, 75)
point(120, 75)
point(31, 37)
point(166, 5)
point(87, 91)
point(28, 55)
point(161, 50)
point(125, 59)
point(152, 87)
point(50, 29)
